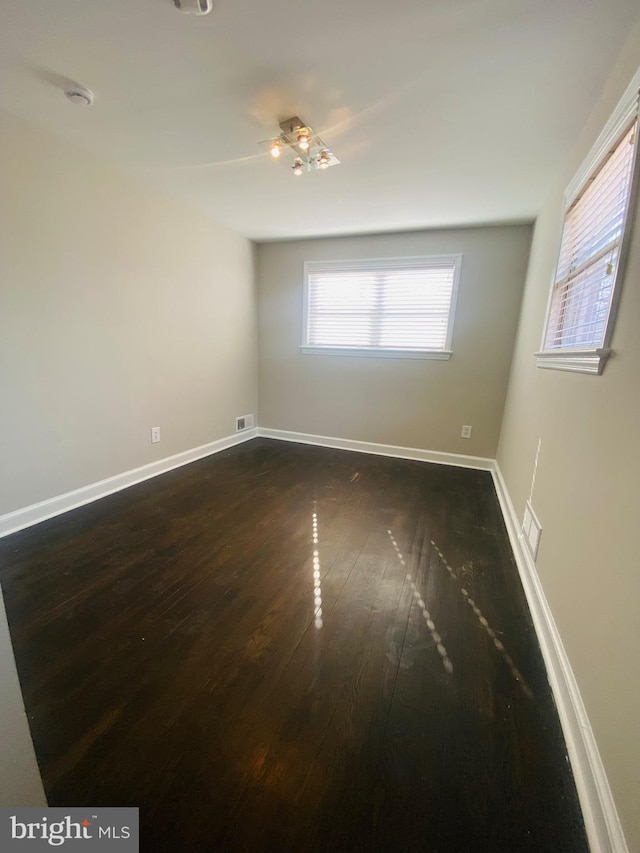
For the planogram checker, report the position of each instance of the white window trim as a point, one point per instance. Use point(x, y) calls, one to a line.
point(593, 360)
point(377, 264)
point(575, 361)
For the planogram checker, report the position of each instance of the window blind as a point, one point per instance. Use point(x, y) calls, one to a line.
point(384, 305)
point(592, 237)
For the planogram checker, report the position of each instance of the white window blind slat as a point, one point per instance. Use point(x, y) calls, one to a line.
point(592, 237)
point(594, 264)
point(403, 304)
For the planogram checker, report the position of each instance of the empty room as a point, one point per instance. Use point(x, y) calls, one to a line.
point(319, 388)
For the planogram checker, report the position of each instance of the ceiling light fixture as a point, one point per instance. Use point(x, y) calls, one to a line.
point(306, 151)
point(324, 159)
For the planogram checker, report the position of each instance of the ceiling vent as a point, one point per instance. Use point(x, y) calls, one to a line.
point(194, 7)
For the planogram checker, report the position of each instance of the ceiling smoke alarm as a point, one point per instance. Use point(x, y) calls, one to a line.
point(80, 95)
point(194, 7)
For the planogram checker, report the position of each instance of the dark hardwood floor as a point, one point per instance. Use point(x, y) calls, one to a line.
point(292, 648)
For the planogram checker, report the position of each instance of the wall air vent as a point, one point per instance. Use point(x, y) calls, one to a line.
point(194, 7)
point(531, 530)
point(244, 422)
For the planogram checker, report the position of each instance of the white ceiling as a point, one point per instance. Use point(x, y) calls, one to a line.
point(443, 112)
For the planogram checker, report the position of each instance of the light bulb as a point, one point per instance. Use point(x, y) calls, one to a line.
point(324, 159)
point(275, 148)
point(297, 166)
point(303, 140)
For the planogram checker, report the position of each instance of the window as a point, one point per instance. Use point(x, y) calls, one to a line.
point(400, 307)
point(592, 251)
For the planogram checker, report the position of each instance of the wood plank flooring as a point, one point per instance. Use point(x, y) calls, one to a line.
point(197, 646)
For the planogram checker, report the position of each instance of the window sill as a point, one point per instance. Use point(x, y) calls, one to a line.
point(440, 355)
point(576, 361)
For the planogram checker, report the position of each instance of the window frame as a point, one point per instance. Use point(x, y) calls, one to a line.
point(380, 264)
point(592, 360)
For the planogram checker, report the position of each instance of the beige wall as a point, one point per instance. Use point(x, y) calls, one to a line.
point(407, 402)
point(119, 310)
point(586, 488)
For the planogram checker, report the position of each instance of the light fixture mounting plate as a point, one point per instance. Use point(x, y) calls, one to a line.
point(312, 154)
point(290, 125)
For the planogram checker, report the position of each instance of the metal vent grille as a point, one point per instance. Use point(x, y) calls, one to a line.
point(194, 7)
point(244, 422)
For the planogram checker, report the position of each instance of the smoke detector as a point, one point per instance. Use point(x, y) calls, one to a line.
point(80, 95)
point(194, 7)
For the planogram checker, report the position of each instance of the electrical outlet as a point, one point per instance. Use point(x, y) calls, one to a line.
point(155, 435)
point(465, 432)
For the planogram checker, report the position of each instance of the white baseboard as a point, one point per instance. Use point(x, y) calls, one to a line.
point(11, 522)
point(601, 819)
point(457, 459)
